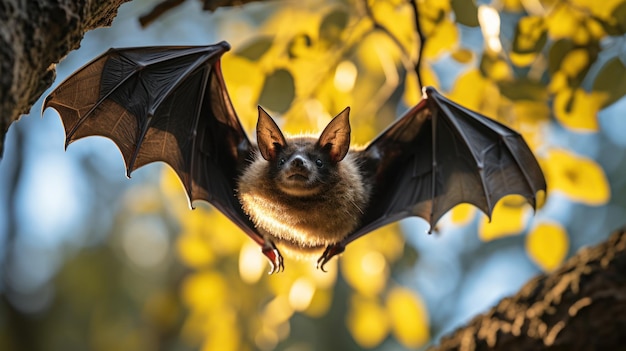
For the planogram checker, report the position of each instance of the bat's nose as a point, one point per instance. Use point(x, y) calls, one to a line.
point(299, 162)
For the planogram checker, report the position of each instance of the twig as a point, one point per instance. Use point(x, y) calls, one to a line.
point(158, 10)
point(406, 57)
point(422, 38)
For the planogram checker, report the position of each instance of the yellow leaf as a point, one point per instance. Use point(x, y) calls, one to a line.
point(194, 251)
point(366, 270)
point(601, 9)
point(547, 245)
point(367, 322)
point(574, 62)
point(562, 22)
point(443, 39)
point(463, 55)
point(408, 317)
point(469, 90)
point(577, 177)
point(512, 5)
point(508, 218)
point(412, 95)
point(463, 214)
point(578, 110)
point(204, 291)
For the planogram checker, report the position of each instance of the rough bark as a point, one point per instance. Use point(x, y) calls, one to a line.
point(581, 306)
point(33, 36)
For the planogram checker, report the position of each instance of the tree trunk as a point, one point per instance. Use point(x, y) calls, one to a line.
point(581, 306)
point(34, 35)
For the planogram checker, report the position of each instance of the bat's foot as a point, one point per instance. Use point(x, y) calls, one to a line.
point(273, 255)
point(330, 252)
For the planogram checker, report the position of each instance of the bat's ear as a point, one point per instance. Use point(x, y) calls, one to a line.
point(268, 136)
point(336, 136)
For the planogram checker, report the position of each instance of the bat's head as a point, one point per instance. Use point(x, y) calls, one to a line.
point(304, 166)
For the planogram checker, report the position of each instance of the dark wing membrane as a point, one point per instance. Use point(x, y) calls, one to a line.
point(165, 104)
point(440, 154)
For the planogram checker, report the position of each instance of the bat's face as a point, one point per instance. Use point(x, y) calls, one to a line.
point(303, 168)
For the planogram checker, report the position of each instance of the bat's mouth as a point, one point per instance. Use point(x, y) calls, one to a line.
point(298, 177)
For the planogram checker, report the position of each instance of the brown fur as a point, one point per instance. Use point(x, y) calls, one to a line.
point(304, 223)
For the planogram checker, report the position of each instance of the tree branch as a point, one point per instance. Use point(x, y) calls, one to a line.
point(422, 43)
point(35, 38)
point(581, 306)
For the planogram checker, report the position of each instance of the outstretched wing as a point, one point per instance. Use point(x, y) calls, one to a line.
point(165, 104)
point(440, 154)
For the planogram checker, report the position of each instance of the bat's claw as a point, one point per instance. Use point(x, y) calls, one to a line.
point(276, 259)
point(330, 252)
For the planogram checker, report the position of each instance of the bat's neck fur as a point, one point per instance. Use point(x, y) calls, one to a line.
point(302, 225)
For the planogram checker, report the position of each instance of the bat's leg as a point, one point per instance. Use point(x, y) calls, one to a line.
point(273, 255)
point(330, 252)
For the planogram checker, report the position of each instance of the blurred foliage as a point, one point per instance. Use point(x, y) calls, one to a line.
point(537, 63)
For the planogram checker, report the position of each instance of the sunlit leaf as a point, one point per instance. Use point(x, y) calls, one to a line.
point(301, 294)
point(495, 68)
point(602, 9)
point(512, 5)
point(562, 22)
point(245, 81)
point(204, 291)
point(367, 322)
point(222, 332)
point(193, 250)
point(345, 76)
point(575, 62)
point(578, 110)
point(530, 38)
point(408, 317)
point(547, 245)
point(463, 55)
point(508, 218)
point(577, 177)
point(365, 269)
point(462, 214)
point(397, 20)
point(469, 90)
point(321, 302)
point(489, 20)
point(444, 38)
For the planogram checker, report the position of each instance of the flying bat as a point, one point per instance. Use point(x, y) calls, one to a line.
point(302, 195)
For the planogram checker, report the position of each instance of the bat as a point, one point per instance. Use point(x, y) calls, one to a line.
point(307, 196)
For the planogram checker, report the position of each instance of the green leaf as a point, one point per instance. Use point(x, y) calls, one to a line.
point(557, 53)
point(333, 25)
point(612, 80)
point(278, 91)
point(466, 12)
point(616, 24)
point(523, 89)
point(256, 48)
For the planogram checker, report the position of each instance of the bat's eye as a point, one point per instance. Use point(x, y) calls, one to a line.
point(319, 163)
point(281, 162)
